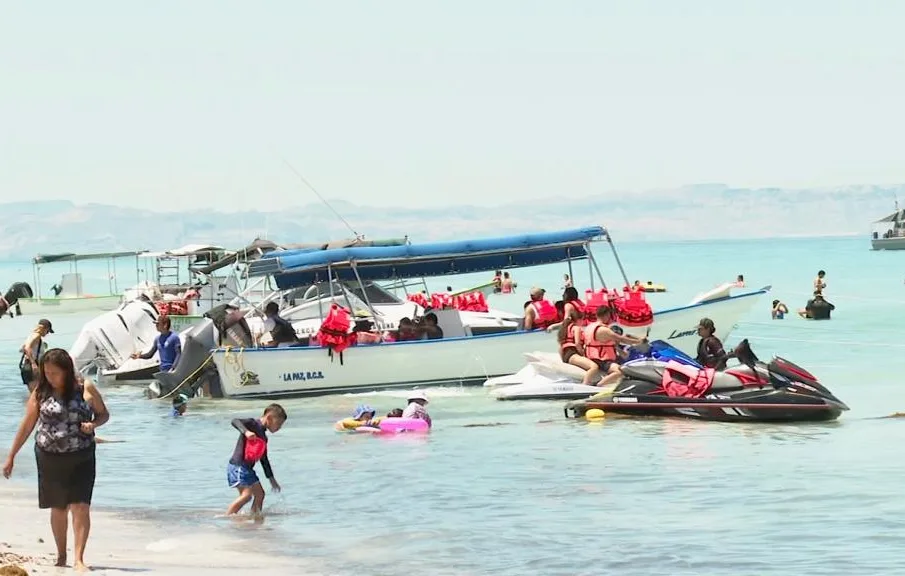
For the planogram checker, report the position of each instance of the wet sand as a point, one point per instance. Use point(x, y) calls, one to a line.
point(121, 546)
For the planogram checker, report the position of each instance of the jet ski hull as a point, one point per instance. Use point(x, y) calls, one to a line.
point(542, 389)
point(756, 406)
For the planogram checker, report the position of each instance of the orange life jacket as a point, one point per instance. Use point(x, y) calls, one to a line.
point(544, 314)
point(419, 299)
point(569, 341)
point(595, 349)
point(334, 332)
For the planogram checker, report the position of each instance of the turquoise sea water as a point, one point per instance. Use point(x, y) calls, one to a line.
point(543, 495)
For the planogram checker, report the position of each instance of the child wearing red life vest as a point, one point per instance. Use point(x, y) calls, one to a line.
point(251, 447)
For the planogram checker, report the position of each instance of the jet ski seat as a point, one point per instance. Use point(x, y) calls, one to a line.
point(652, 373)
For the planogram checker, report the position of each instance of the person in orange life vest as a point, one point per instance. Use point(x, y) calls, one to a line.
point(710, 350)
point(364, 331)
point(600, 345)
point(572, 351)
point(540, 313)
point(572, 305)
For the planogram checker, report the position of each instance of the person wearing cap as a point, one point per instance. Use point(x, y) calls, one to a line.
point(779, 310)
point(364, 415)
point(540, 314)
point(415, 409)
point(32, 350)
point(710, 350)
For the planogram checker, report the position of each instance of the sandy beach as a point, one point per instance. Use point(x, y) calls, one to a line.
point(118, 545)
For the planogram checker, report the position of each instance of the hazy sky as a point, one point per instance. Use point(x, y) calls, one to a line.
point(192, 104)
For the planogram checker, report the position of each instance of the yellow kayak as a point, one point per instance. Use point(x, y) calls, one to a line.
point(651, 287)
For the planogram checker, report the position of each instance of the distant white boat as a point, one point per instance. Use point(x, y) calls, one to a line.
point(69, 296)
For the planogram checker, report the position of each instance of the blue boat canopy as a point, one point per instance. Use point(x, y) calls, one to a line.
point(293, 269)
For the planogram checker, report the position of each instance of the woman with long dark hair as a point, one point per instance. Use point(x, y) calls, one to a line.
point(66, 411)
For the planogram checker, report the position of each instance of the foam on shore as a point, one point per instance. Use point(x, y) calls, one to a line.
point(119, 545)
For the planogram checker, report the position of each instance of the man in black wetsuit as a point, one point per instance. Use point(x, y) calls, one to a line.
point(710, 350)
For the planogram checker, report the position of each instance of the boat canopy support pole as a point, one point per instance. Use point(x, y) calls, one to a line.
point(364, 291)
point(78, 284)
point(609, 240)
point(592, 263)
point(36, 272)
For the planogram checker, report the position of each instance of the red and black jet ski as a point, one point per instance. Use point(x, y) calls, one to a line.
point(753, 391)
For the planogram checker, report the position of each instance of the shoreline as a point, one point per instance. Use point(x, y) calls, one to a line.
point(118, 544)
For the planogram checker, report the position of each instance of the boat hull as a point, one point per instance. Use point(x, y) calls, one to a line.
point(897, 243)
point(303, 371)
point(39, 306)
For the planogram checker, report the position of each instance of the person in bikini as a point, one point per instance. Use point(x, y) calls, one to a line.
point(571, 350)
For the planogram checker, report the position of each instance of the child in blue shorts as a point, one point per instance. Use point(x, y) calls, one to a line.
point(240, 473)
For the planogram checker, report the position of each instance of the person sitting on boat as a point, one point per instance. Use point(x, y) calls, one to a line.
point(364, 331)
point(572, 351)
point(710, 350)
point(573, 307)
point(415, 409)
point(167, 344)
point(637, 287)
point(819, 282)
point(406, 331)
point(430, 327)
point(539, 313)
point(817, 308)
point(600, 345)
point(364, 415)
point(282, 333)
point(779, 310)
point(740, 281)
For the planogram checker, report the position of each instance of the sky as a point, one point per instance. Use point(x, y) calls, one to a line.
point(194, 105)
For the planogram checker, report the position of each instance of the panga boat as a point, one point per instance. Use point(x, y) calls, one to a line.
point(461, 357)
point(69, 295)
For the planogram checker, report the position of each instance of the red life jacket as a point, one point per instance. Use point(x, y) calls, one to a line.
point(255, 449)
point(633, 309)
point(334, 332)
point(686, 381)
point(544, 314)
point(595, 349)
point(419, 299)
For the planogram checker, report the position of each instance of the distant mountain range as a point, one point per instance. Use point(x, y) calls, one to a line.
point(703, 211)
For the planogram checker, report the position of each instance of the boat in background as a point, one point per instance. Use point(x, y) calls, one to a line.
point(462, 356)
point(69, 296)
point(889, 233)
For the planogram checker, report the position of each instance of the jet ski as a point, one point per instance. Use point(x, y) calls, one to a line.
point(546, 377)
point(752, 391)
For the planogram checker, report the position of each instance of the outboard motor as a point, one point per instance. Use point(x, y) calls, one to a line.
point(231, 325)
point(11, 298)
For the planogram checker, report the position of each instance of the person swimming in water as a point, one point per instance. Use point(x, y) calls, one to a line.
point(779, 310)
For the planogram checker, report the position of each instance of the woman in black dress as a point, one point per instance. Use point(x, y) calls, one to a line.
point(66, 411)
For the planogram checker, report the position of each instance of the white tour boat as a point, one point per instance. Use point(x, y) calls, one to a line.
point(465, 355)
